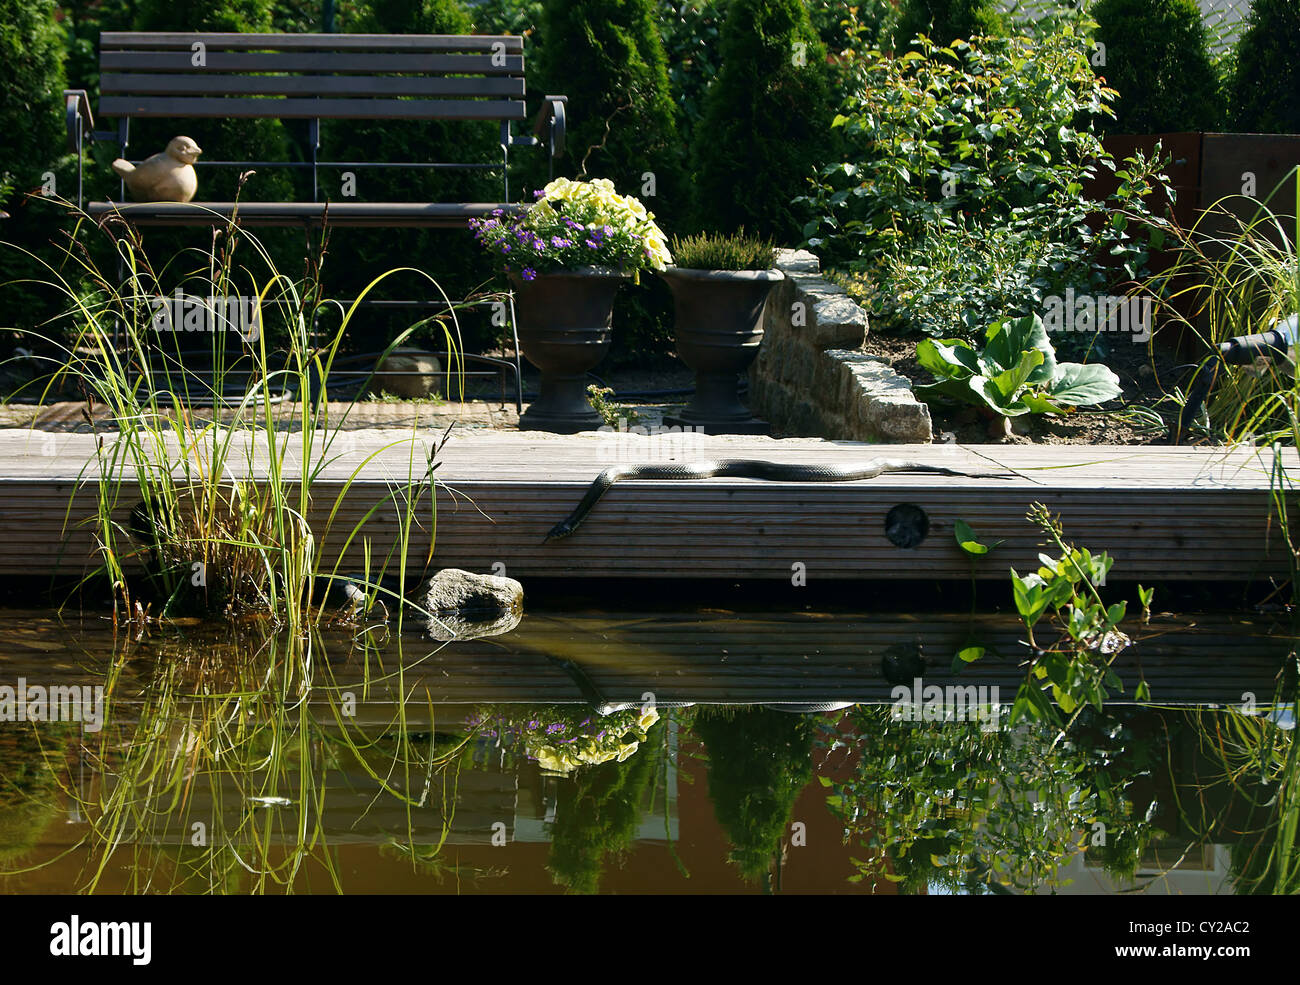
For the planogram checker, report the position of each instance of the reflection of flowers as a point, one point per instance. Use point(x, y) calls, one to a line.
point(562, 738)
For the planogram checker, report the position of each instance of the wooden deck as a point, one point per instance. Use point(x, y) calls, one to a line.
point(1163, 513)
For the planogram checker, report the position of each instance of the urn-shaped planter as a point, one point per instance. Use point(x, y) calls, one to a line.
point(719, 327)
point(564, 330)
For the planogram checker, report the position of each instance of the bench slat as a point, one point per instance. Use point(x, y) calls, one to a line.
point(217, 84)
point(311, 61)
point(412, 214)
point(510, 44)
point(329, 109)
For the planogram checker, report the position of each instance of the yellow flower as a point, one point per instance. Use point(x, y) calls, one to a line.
point(624, 751)
point(648, 718)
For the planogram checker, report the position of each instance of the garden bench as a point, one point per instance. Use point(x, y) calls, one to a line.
point(312, 77)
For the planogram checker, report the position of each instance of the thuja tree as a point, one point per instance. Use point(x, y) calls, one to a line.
point(1156, 54)
point(759, 762)
point(1266, 82)
point(945, 20)
point(32, 159)
point(607, 56)
point(766, 127)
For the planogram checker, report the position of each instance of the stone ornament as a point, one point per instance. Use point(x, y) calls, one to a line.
point(165, 177)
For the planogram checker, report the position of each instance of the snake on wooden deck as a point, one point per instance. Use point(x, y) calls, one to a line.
point(741, 468)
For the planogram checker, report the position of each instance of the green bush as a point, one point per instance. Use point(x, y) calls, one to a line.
point(1266, 83)
point(1157, 57)
point(766, 126)
point(960, 199)
point(31, 119)
point(690, 30)
point(943, 21)
point(608, 58)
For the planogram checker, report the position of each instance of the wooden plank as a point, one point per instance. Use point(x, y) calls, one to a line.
point(310, 214)
point(291, 107)
point(161, 40)
point(320, 85)
point(312, 61)
point(1193, 514)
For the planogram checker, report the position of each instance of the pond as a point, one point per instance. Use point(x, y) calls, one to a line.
point(677, 749)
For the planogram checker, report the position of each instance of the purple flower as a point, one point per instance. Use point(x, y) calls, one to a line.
point(529, 273)
point(592, 244)
point(607, 231)
point(559, 242)
point(540, 193)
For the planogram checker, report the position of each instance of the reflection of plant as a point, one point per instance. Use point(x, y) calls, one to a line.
point(759, 762)
point(1015, 373)
point(953, 805)
point(560, 738)
point(29, 785)
point(1077, 666)
point(1251, 794)
point(596, 816)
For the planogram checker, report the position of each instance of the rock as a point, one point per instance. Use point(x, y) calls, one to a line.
point(465, 605)
point(389, 374)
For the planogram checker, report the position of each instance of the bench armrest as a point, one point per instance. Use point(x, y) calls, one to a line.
point(79, 120)
point(550, 118)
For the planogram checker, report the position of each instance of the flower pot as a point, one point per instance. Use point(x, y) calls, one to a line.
point(564, 330)
point(719, 327)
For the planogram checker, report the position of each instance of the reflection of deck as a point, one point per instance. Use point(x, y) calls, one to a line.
point(1162, 513)
point(729, 659)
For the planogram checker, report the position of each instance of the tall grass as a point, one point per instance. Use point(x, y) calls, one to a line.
point(1236, 276)
point(205, 480)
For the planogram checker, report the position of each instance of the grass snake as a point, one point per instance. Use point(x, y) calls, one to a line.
point(743, 468)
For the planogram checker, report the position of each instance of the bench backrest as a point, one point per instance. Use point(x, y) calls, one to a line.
point(312, 76)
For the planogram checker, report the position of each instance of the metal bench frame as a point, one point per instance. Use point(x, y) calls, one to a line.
point(317, 77)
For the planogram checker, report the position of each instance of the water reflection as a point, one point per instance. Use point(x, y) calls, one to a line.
point(634, 752)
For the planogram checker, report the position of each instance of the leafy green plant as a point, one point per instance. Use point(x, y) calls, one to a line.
point(613, 414)
point(771, 103)
point(1157, 57)
point(961, 197)
point(723, 251)
point(1015, 373)
point(1077, 666)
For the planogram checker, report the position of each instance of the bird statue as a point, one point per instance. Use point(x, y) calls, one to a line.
point(165, 177)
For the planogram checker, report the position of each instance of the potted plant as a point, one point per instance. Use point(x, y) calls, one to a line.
point(720, 284)
point(566, 257)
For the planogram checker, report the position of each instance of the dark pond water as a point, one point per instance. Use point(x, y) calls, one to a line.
point(634, 752)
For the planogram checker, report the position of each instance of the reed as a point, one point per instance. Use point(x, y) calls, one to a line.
point(205, 479)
